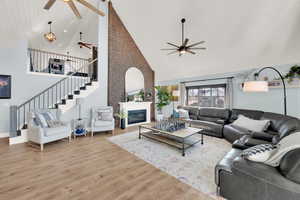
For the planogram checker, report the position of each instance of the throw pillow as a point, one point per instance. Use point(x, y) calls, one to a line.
point(41, 121)
point(54, 123)
point(252, 124)
point(183, 114)
point(104, 115)
point(259, 153)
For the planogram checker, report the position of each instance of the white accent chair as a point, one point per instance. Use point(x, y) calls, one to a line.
point(98, 124)
point(41, 134)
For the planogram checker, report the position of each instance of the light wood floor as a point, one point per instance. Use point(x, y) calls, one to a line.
point(88, 169)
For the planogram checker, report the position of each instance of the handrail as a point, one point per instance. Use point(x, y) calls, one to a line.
point(55, 84)
point(57, 54)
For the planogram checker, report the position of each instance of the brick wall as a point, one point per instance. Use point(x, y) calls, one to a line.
point(123, 54)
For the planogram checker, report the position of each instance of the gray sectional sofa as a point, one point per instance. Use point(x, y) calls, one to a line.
point(240, 179)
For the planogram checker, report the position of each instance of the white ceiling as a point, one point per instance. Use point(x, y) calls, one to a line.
point(238, 34)
point(26, 19)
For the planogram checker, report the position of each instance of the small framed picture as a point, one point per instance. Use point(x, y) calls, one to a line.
point(5, 86)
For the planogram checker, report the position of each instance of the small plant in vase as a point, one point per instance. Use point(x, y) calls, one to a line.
point(122, 116)
point(163, 99)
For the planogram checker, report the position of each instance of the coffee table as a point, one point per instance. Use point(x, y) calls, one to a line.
point(181, 139)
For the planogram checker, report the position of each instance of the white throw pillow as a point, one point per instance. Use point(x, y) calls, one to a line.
point(183, 114)
point(252, 124)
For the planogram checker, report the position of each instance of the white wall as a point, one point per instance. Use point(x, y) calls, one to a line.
point(13, 59)
point(271, 101)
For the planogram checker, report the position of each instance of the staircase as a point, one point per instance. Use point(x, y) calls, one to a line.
point(61, 95)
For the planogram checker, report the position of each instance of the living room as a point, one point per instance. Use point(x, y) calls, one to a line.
point(123, 100)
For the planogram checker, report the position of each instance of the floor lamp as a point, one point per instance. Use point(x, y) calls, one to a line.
point(175, 95)
point(262, 86)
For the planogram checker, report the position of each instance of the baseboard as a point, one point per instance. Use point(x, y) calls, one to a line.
point(4, 135)
point(19, 139)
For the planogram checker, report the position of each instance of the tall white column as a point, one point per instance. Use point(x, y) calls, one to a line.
point(103, 54)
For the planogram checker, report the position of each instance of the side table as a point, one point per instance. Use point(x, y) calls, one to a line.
point(79, 127)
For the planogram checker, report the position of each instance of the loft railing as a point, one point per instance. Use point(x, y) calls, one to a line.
point(40, 61)
point(51, 97)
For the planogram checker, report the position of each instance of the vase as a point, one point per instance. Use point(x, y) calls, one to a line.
point(123, 124)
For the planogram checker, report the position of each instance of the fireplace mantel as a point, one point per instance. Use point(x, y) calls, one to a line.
point(135, 106)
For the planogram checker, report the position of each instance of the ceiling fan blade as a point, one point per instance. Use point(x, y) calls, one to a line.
point(74, 9)
point(174, 45)
point(201, 48)
point(185, 42)
point(168, 49)
point(90, 6)
point(192, 45)
point(172, 52)
point(189, 51)
point(49, 4)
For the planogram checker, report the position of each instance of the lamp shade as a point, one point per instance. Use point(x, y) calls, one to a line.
point(256, 86)
point(175, 93)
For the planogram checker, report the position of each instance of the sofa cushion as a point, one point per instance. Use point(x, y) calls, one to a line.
point(290, 166)
point(276, 120)
point(288, 127)
point(103, 123)
point(211, 119)
point(192, 110)
point(232, 133)
point(253, 114)
point(214, 113)
point(210, 128)
point(55, 131)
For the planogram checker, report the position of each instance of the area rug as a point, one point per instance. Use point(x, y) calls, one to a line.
point(195, 169)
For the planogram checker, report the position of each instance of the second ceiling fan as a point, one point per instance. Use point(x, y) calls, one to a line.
point(184, 47)
point(74, 8)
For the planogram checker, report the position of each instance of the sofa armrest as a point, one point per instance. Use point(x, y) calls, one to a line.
point(265, 174)
point(262, 136)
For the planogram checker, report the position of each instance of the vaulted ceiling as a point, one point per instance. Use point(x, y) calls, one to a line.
point(26, 19)
point(238, 34)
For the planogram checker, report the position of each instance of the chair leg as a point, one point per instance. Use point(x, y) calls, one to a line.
point(92, 133)
point(42, 147)
point(70, 138)
point(113, 132)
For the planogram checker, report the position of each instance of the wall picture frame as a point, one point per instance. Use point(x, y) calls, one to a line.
point(5, 87)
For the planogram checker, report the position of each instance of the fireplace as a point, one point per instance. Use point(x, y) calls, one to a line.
point(137, 112)
point(137, 116)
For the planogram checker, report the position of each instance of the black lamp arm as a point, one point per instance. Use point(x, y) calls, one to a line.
point(283, 82)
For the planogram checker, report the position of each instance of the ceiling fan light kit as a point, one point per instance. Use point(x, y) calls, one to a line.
point(51, 37)
point(184, 47)
point(73, 7)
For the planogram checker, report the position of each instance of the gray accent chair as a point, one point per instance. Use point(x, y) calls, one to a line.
point(99, 125)
point(43, 135)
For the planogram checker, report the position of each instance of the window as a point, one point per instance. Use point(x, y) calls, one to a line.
point(206, 96)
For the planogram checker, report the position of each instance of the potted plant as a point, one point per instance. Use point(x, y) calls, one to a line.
point(293, 73)
point(122, 116)
point(163, 99)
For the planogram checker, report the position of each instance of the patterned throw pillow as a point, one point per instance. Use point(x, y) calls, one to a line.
point(259, 153)
point(54, 123)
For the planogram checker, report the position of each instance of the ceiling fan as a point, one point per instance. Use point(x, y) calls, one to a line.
point(74, 8)
point(83, 44)
point(184, 47)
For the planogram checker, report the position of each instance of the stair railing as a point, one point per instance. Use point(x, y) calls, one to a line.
point(51, 97)
point(40, 60)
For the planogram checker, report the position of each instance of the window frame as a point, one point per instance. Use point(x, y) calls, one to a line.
point(210, 86)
